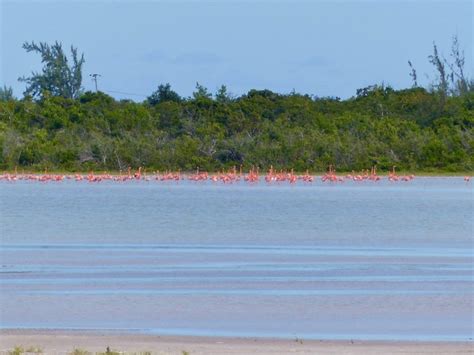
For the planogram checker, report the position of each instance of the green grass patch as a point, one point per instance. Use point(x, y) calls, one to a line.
point(78, 351)
point(17, 350)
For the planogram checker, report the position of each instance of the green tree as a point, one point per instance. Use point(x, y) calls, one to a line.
point(201, 92)
point(57, 77)
point(6, 93)
point(222, 95)
point(440, 65)
point(162, 94)
point(413, 75)
point(461, 85)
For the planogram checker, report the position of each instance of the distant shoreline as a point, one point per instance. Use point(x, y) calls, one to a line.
point(62, 341)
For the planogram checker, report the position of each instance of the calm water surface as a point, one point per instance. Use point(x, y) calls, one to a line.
point(352, 261)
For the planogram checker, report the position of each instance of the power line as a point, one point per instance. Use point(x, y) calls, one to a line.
point(94, 79)
point(124, 93)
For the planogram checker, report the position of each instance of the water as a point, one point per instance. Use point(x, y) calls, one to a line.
point(353, 261)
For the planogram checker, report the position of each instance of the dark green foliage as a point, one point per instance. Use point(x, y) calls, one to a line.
point(163, 94)
point(222, 95)
point(407, 128)
point(442, 85)
point(201, 92)
point(451, 79)
point(57, 78)
point(413, 75)
point(6, 93)
point(416, 129)
point(461, 85)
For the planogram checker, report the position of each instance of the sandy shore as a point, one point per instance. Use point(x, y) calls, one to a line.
point(63, 342)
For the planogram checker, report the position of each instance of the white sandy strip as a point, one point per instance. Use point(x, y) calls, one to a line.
point(63, 342)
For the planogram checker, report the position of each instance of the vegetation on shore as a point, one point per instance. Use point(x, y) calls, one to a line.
point(19, 350)
point(56, 126)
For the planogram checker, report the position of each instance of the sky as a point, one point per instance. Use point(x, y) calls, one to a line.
point(322, 48)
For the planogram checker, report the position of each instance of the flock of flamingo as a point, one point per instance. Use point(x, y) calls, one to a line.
point(226, 177)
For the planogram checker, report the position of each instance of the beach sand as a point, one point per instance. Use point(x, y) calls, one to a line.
point(64, 342)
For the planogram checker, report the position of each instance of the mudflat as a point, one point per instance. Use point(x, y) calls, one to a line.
point(65, 342)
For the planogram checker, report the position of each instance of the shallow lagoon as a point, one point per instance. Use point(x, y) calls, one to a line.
point(335, 261)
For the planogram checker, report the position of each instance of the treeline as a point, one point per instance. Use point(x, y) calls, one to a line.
point(413, 129)
point(56, 126)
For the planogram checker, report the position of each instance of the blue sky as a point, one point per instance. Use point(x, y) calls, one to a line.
point(324, 48)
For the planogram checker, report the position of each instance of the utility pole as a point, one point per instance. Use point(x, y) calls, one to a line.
point(94, 79)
